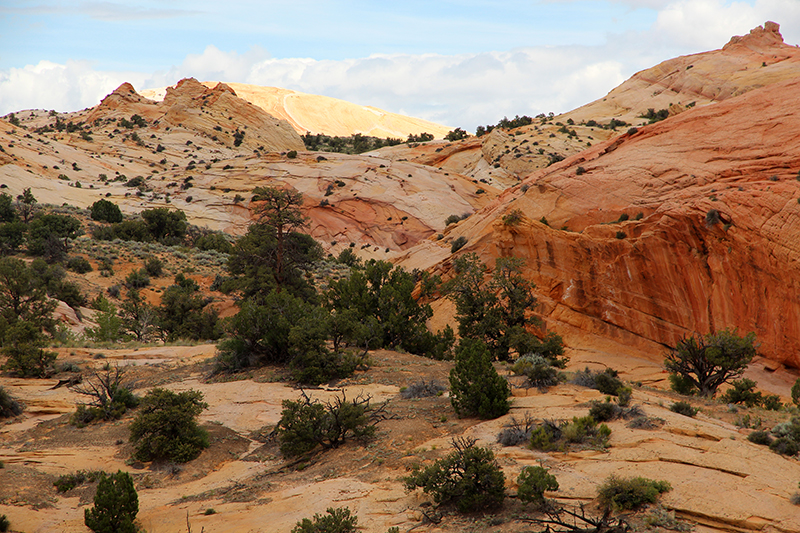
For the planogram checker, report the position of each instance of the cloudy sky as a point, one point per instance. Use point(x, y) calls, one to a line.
point(456, 62)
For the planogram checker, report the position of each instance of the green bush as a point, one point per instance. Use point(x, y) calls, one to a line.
point(476, 389)
point(137, 279)
point(306, 424)
point(214, 241)
point(760, 437)
point(537, 369)
point(796, 387)
point(743, 392)
point(627, 494)
point(457, 244)
point(469, 477)
point(5, 524)
point(106, 211)
point(605, 411)
point(8, 405)
point(607, 382)
point(784, 446)
point(166, 428)
point(154, 267)
point(110, 398)
point(682, 385)
point(683, 408)
point(533, 481)
point(552, 436)
point(79, 264)
point(67, 482)
point(115, 505)
point(338, 520)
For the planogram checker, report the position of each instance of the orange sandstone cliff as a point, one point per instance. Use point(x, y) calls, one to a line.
point(689, 224)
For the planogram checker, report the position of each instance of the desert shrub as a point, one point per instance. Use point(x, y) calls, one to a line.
point(110, 398)
point(646, 422)
point(476, 389)
point(315, 367)
point(468, 477)
point(106, 211)
point(184, 312)
point(796, 387)
point(584, 430)
point(67, 482)
point(79, 264)
point(547, 436)
point(784, 446)
point(23, 346)
point(682, 385)
point(291, 154)
point(708, 361)
point(513, 218)
point(306, 424)
point(8, 405)
point(214, 241)
point(772, 402)
point(166, 428)
point(154, 267)
point(137, 279)
point(627, 494)
point(115, 505)
point(712, 217)
point(422, 389)
point(605, 411)
point(338, 520)
point(743, 392)
point(683, 408)
point(533, 481)
point(537, 370)
point(457, 244)
point(5, 525)
point(760, 437)
point(516, 431)
point(607, 382)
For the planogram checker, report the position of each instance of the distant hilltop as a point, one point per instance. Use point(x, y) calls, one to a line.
point(323, 114)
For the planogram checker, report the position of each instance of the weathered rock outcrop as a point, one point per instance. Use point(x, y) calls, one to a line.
point(690, 224)
point(323, 114)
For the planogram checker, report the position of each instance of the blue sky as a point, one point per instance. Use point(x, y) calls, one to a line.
point(461, 63)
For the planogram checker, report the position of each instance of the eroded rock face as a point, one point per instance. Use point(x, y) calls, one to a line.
point(690, 224)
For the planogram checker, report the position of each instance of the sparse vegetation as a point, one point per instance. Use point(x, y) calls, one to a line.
point(469, 478)
point(337, 520)
point(8, 405)
point(683, 408)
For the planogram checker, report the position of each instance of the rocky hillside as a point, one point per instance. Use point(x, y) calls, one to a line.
point(748, 62)
point(203, 150)
point(322, 114)
point(689, 224)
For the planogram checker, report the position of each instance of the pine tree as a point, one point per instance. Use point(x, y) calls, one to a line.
point(476, 389)
point(115, 505)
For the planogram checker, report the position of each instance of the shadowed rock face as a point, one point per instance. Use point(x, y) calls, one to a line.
point(711, 239)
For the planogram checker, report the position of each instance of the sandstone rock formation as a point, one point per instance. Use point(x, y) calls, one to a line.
point(323, 114)
point(687, 225)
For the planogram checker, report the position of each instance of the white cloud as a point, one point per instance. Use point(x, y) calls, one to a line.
point(67, 87)
point(457, 90)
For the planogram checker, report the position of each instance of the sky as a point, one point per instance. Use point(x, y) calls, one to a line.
point(461, 63)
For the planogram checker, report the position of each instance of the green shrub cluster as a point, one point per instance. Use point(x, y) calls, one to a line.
point(337, 520)
point(166, 428)
point(8, 405)
point(627, 494)
point(533, 481)
point(538, 371)
point(583, 431)
point(306, 424)
point(468, 477)
point(67, 482)
point(743, 392)
point(683, 408)
point(355, 144)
